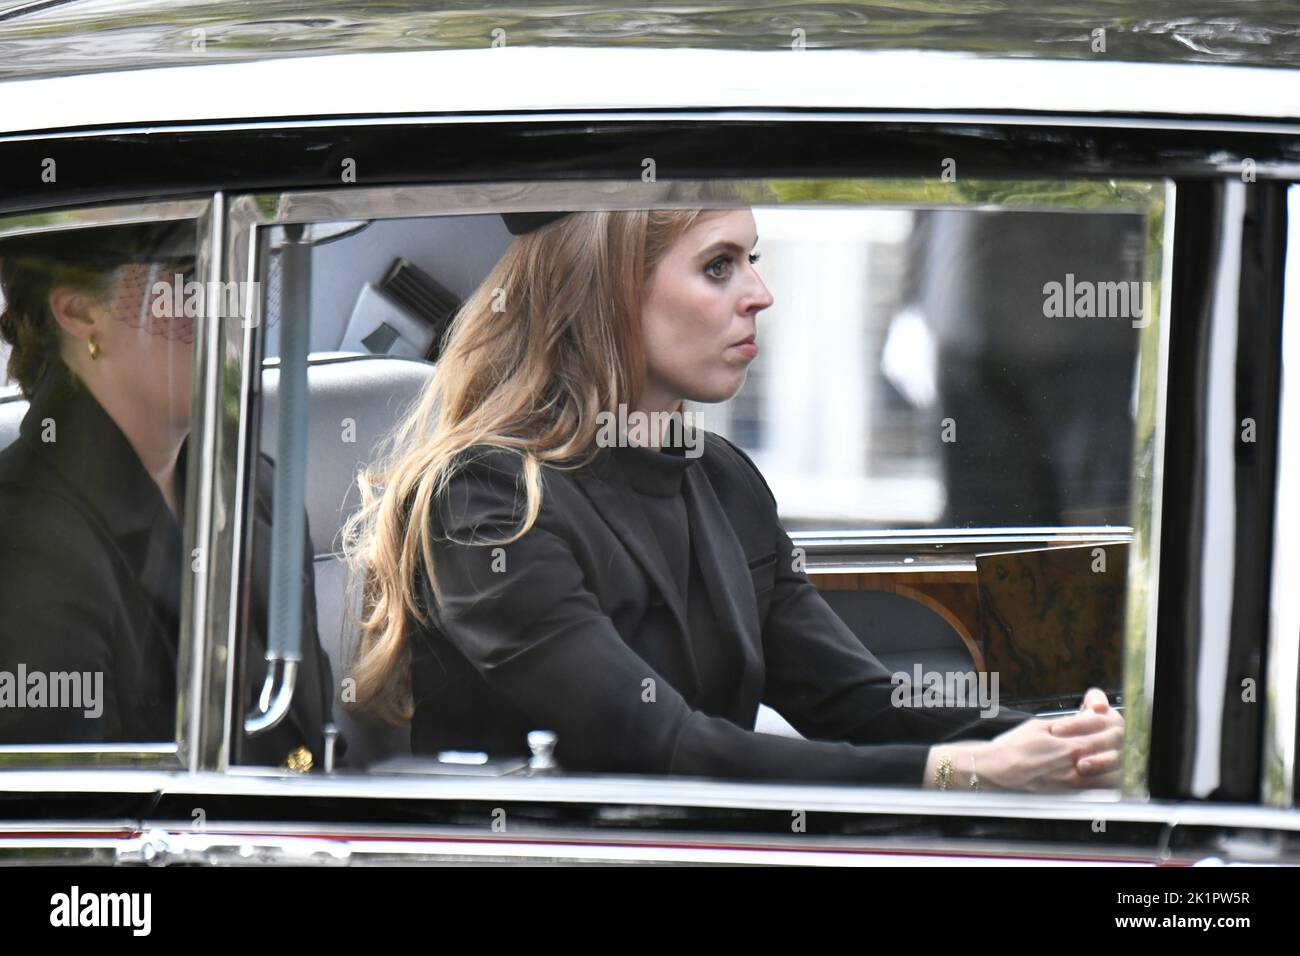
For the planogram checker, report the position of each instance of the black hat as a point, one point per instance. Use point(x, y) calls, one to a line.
point(107, 247)
point(521, 222)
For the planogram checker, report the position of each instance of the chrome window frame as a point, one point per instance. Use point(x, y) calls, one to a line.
point(179, 753)
point(1282, 677)
point(1017, 819)
point(251, 212)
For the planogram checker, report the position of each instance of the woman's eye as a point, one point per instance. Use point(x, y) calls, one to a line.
point(712, 266)
point(726, 261)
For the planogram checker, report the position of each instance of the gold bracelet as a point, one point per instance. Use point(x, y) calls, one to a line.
point(943, 772)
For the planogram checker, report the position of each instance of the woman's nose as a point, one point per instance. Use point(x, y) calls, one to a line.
point(759, 297)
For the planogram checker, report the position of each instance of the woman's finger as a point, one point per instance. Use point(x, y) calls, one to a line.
point(1098, 763)
point(1084, 722)
point(1095, 700)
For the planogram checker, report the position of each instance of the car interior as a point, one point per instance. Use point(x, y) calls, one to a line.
point(381, 294)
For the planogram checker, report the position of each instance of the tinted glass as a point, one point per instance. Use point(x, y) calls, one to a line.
point(100, 336)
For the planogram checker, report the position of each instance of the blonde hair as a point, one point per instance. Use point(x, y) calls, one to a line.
point(551, 338)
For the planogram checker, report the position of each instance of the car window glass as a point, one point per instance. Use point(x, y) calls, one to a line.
point(99, 326)
point(920, 370)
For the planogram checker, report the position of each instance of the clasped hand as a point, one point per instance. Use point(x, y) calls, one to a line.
point(1078, 751)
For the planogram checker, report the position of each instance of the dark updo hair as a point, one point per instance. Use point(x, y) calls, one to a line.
point(26, 322)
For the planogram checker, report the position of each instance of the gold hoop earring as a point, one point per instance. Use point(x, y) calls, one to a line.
point(94, 349)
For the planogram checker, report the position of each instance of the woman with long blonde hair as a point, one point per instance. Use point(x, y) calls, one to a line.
point(533, 555)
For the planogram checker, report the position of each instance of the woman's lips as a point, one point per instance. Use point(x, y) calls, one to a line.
point(747, 347)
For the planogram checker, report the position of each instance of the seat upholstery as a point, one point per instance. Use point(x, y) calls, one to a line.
point(12, 410)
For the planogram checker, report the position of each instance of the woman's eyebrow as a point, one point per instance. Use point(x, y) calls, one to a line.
point(725, 244)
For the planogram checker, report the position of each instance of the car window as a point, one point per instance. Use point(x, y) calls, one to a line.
point(942, 405)
point(99, 318)
point(984, 363)
point(918, 369)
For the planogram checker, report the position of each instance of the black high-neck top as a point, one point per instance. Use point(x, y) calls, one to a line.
point(655, 482)
point(657, 476)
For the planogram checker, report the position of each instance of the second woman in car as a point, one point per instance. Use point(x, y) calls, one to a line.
point(93, 489)
point(521, 572)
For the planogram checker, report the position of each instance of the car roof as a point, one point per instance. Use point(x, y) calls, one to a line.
point(541, 80)
point(67, 37)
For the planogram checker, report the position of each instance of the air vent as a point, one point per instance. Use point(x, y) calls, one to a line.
point(423, 296)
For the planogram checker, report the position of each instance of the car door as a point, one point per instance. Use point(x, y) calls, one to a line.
point(1180, 649)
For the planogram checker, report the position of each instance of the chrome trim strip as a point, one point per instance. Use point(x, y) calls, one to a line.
point(954, 541)
point(90, 755)
point(646, 792)
point(1218, 500)
point(1147, 503)
point(476, 199)
point(525, 78)
point(1271, 169)
point(942, 566)
point(202, 457)
point(175, 752)
point(1028, 533)
point(1277, 786)
point(81, 217)
point(230, 465)
point(237, 847)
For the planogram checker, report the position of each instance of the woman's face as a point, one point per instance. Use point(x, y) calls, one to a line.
point(699, 317)
point(155, 350)
point(146, 344)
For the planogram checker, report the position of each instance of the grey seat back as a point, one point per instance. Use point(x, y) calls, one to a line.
point(354, 403)
point(12, 410)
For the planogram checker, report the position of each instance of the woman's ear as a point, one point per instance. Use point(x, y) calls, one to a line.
point(78, 313)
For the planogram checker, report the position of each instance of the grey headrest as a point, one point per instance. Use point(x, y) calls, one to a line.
point(354, 402)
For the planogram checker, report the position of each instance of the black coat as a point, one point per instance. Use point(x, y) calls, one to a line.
point(578, 628)
point(90, 581)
